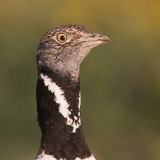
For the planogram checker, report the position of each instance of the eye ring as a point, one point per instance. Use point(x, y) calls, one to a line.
point(61, 37)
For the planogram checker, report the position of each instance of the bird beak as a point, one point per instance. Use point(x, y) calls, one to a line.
point(102, 39)
point(94, 40)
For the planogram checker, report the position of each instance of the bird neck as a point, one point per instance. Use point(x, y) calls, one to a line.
point(58, 107)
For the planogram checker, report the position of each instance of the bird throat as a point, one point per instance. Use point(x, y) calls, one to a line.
point(58, 106)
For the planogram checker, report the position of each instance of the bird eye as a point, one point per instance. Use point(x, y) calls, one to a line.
point(62, 37)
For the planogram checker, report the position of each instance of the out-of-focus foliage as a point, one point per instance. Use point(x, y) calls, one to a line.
point(120, 82)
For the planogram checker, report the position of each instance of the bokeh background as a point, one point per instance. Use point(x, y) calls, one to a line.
point(120, 82)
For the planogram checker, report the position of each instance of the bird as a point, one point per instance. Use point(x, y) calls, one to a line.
point(59, 56)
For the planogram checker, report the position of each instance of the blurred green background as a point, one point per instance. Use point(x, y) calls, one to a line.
point(120, 82)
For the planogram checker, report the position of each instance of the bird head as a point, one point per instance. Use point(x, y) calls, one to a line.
point(64, 48)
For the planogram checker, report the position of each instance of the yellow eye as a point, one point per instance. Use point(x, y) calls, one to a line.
point(61, 37)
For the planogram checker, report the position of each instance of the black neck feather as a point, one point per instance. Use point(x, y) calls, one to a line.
point(57, 137)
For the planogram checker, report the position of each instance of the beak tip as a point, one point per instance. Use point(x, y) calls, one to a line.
point(106, 39)
point(103, 38)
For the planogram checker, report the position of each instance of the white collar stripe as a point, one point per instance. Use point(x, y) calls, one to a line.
point(61, 100)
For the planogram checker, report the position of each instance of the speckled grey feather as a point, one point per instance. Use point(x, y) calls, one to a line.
point(67, 57)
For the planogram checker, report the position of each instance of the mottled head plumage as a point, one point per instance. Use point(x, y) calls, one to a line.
point(63, 48)
point(66, 28)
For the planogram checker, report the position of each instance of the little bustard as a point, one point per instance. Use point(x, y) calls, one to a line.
point(59, 55)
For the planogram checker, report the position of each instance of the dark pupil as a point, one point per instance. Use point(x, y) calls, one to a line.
point(62, 38)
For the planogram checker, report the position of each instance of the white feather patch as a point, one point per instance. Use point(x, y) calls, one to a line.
point(60, 99)
point(88, 158)
point(44, 156)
